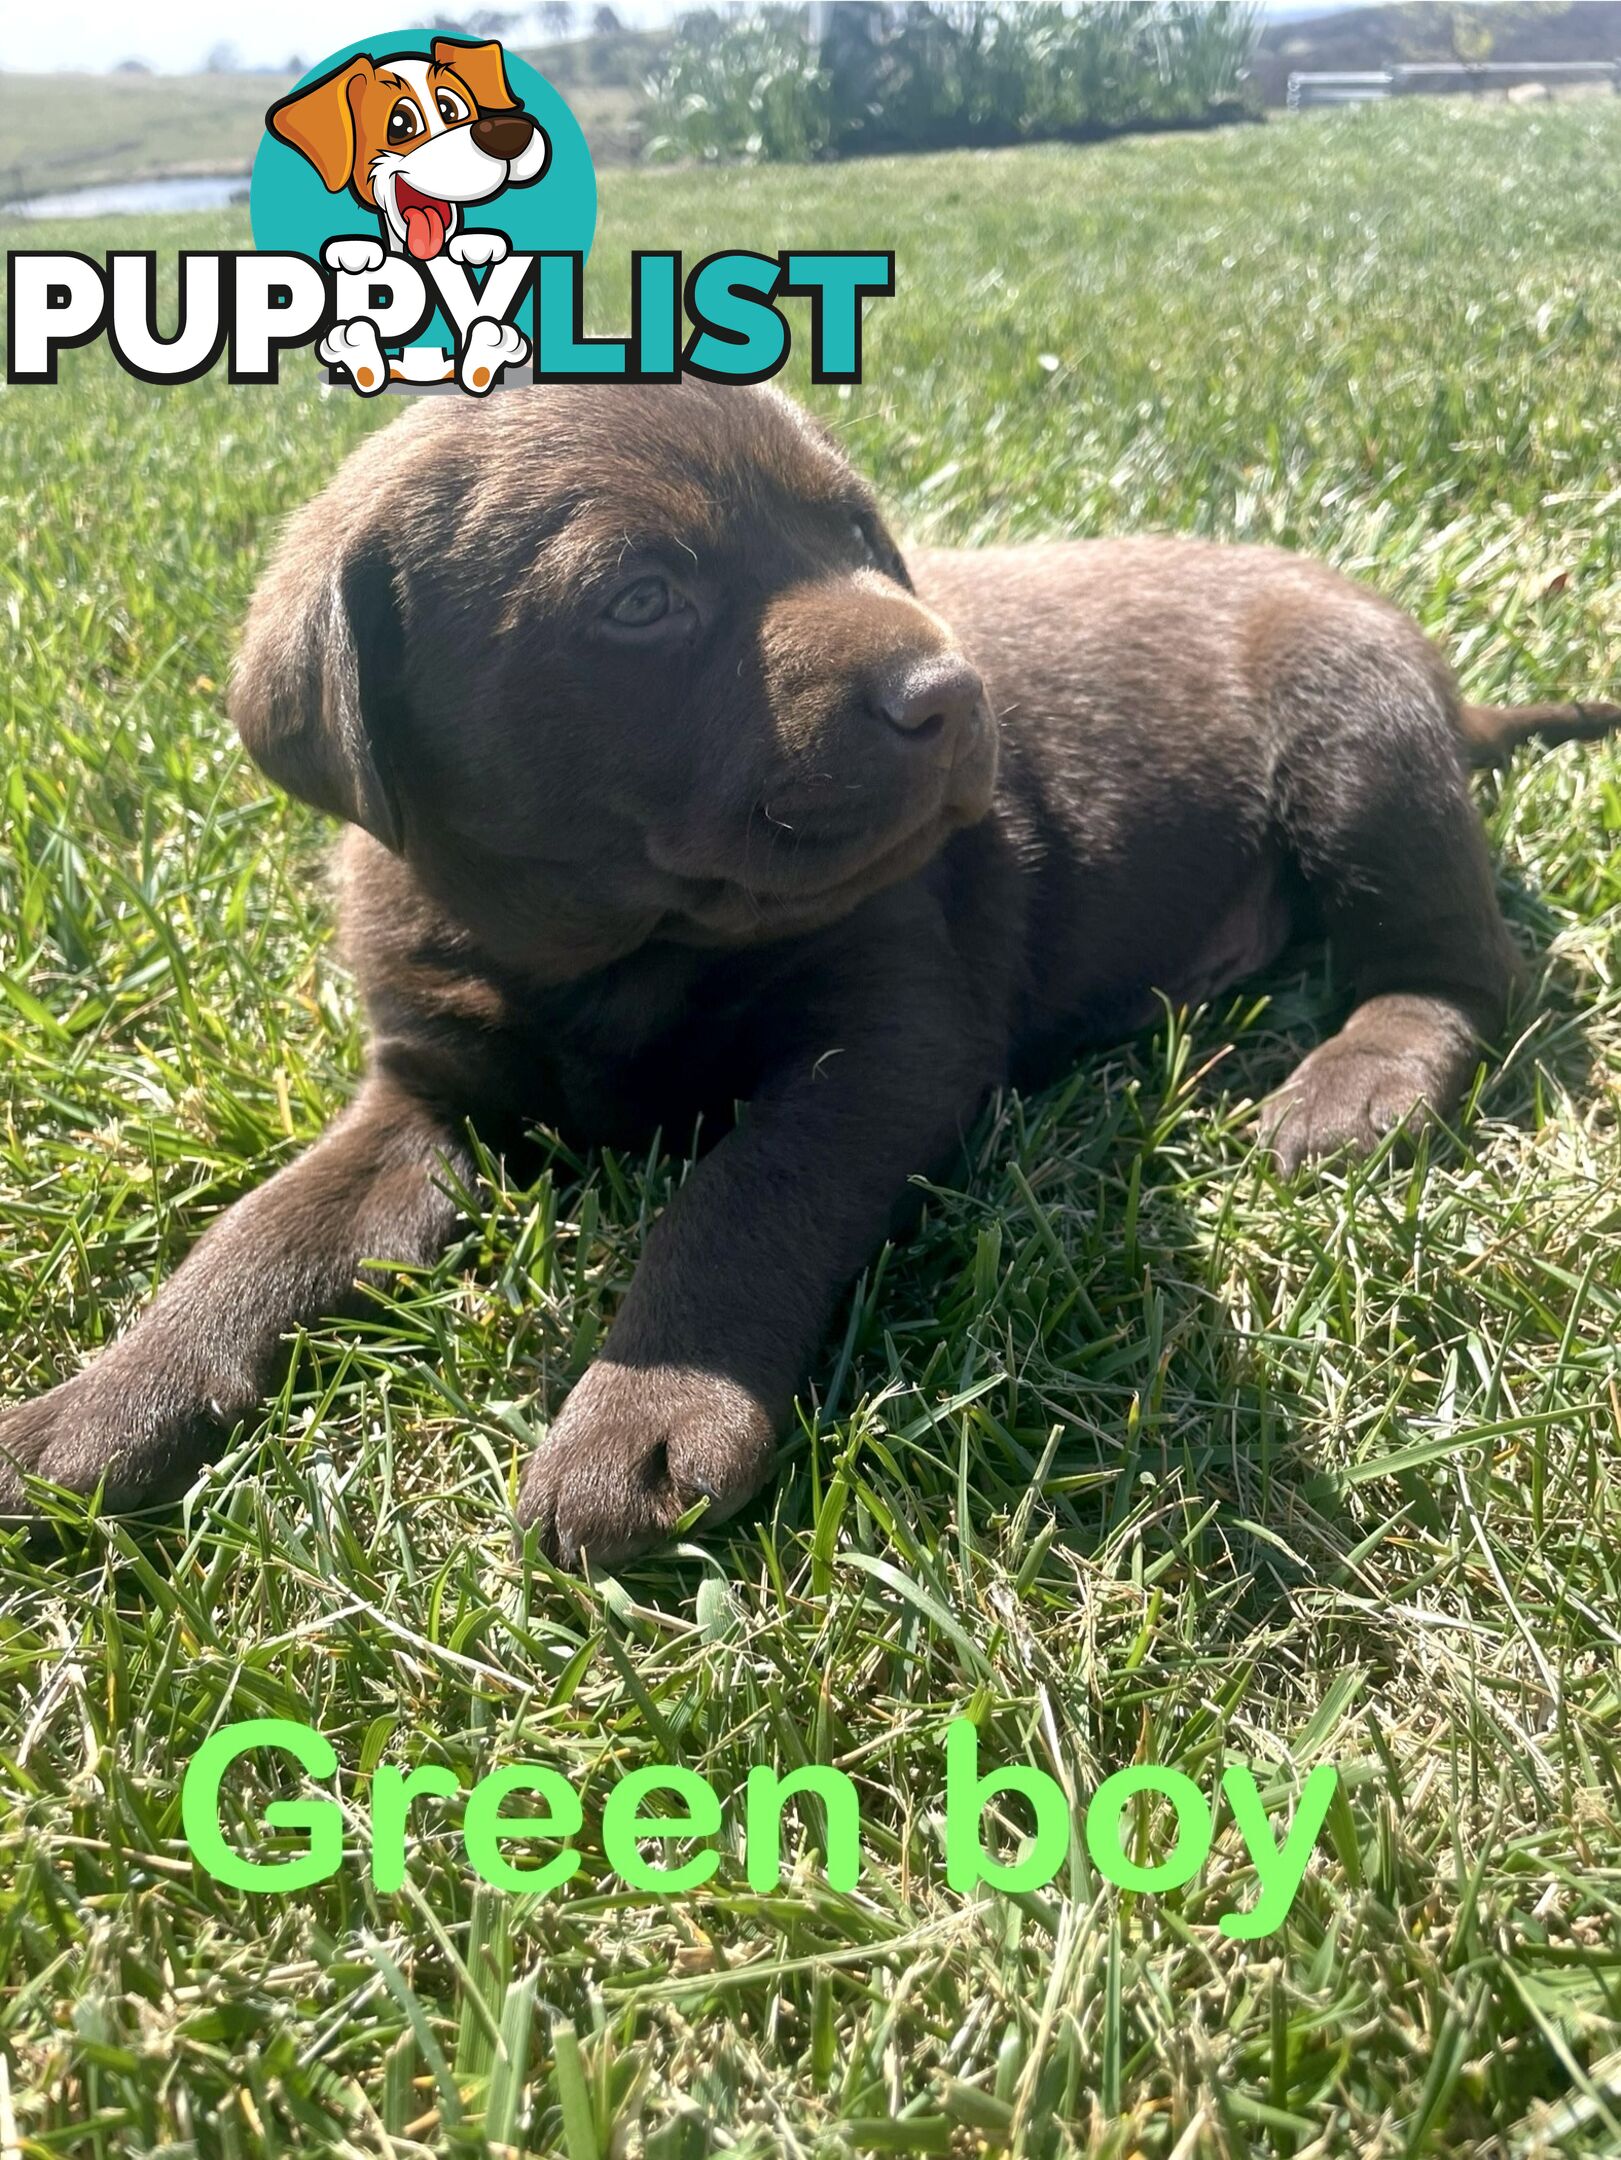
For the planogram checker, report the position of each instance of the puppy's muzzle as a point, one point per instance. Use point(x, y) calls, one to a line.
point(503, 135)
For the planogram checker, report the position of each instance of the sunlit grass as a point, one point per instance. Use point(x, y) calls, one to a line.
point(1130, 1453)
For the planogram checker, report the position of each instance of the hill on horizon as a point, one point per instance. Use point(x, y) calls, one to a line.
point(1364, 38)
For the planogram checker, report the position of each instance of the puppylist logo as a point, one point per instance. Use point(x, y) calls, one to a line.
point(409, 165)
point(422, 209)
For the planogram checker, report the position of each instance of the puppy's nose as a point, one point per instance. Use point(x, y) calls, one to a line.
point(941, 696)
point(504, 135)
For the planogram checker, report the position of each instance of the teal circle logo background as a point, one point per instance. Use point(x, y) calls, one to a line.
point(291, 211)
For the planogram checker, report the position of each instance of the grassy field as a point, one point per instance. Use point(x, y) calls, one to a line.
point(1132, 1454)
point(59, 131)
point(63, 131)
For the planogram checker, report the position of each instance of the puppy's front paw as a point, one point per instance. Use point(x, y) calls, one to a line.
point(356, 346)
point(140, 1444)
point(1342, 1099)
point(490, 347)
point(356, 256)
point(478, 248)
point(635, 1448)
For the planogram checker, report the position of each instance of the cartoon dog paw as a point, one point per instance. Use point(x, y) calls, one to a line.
point(355, 256)
point(478, 248)
point(490, 347)
point(356, 347)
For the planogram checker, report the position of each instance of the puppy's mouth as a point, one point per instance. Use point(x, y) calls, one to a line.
point(816, 872)
point(425, 219)
point(742, 910)
point(814, 856)
point(810, 851)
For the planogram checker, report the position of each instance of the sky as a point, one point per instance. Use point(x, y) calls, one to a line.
point(174, 36)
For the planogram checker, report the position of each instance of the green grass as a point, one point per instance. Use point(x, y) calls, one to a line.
point(1130, 1453)
point(59, 131)
point(65, 130)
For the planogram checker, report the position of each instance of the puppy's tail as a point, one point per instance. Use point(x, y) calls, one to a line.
point(1492, 733)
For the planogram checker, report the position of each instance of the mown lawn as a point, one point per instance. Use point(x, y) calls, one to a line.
point(1130, 1455)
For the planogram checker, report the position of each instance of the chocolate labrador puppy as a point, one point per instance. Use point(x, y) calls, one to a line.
point(674, 785)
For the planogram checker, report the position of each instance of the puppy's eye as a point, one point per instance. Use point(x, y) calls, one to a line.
point(641, 605)
point(878, 550)
point(403, 122)
point(451, 108)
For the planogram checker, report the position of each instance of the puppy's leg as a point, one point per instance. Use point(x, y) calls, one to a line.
point(153, 1406)
point(1374, 801)
point(736, 1286)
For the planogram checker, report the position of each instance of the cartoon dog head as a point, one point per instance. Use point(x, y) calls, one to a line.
point(414, 139)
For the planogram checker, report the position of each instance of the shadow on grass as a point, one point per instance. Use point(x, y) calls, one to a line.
point(1075, 1331)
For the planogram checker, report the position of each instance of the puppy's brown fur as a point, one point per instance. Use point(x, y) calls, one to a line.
point(673, 786)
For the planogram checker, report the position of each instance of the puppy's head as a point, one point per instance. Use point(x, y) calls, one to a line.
point(644, 653)
point(416, 138)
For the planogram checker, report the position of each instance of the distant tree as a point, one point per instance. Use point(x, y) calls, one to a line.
point(556, 17)
point(1469, 34)
point(1449, 31)
point(854, 77)
point(493, 22)
point(296, 65)
point(605, 23)
point(222, 59)
point(132, 67)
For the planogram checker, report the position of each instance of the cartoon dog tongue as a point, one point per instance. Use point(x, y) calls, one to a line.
point(425, 224)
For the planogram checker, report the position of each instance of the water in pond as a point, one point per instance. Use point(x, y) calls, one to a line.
point(132, 198)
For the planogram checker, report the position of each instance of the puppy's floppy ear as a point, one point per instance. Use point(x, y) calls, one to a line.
point(319, 121)
point(318, 687)
point(483, 70)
